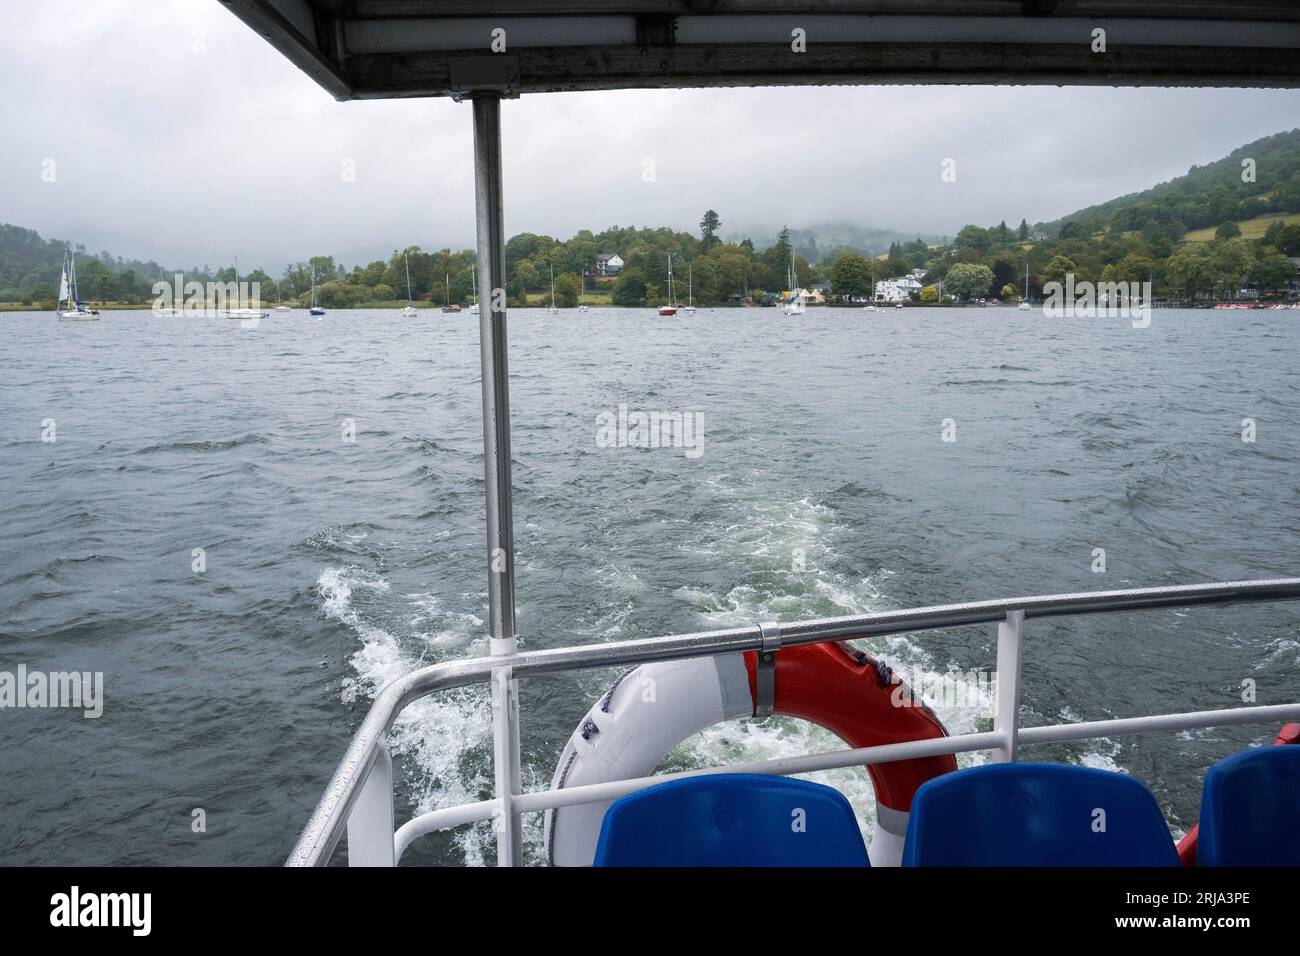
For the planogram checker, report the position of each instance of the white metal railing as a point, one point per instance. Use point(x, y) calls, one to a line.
point(359, 797)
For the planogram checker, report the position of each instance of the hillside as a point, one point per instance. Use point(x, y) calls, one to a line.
point(1205, 235)
point(1203, 198)
point(30, 267)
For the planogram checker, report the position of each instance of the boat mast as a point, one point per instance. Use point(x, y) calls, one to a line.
point(552, 267)
point(670, 281)
point(407, 260)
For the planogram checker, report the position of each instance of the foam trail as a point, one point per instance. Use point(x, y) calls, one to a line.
point(445, 739)
point(790, 551)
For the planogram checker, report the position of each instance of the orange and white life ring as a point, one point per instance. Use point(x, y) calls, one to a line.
point(653, 708)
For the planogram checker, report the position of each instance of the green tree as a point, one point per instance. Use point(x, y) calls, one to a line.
point(851, 276)
point(567, 286)
point(709, 230)
point(526, 275)
point(630, 287)
point(1023, 233)
point(967, 279)
point(1289, 241)
point(1234, 259)
point(973, 237)
point(1273, 272)
point(1191, 269)
point(1273, 234)
point(1227, 230)
point(930, 295)
point(1057, 270)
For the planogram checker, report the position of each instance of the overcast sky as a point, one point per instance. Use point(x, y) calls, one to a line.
point(180, 135)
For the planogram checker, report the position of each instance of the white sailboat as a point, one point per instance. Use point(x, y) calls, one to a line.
point(409, 311)
point(450, 306)
point(690, 289)
point(552, 310)
point(1024, 305)
point(76, 310)
point(315, 309)
point(795, 305)
point(279, 299)
point(671, 307)
point(473, 272)
point(241, 312)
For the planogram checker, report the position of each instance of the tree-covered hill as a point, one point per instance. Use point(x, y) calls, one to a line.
point(30, 267)
point(1205, 197)
point(1158, 235)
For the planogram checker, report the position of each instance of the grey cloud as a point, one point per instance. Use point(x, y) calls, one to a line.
point(182, 136)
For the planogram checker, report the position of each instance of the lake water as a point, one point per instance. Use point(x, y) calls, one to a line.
point(329, 562)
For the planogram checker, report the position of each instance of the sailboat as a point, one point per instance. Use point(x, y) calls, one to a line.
point(552, 309)
point(582, 289)
point(409, 311)
point(242, 312)
point(690, 289)
point(1024, 305)
point(473, 272)
point(76, 310)
point(315, 309)
point(795, 305)
point(280, 306)
point(450, 306)
point(671, 307)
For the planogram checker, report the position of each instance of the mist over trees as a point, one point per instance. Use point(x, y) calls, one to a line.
point(1204, 233)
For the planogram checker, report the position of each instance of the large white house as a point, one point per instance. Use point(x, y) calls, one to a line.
point(897, 290)
point(609, 264)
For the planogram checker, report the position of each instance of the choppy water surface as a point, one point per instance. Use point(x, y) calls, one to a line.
point(331, 562)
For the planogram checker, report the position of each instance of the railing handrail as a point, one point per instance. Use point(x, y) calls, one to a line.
point(326, 826)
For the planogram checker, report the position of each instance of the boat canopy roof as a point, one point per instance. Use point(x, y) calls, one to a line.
point(368, 49)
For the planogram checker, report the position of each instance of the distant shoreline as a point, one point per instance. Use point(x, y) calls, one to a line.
point(7, 307)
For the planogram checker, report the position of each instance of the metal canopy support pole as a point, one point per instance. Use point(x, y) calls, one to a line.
point(490, 220)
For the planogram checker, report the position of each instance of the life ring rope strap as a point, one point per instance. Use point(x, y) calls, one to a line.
point(765, 677)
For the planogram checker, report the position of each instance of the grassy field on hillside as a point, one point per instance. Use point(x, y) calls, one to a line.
point(1250, 228)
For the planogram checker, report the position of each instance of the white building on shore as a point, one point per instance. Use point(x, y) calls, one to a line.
point(897, 290)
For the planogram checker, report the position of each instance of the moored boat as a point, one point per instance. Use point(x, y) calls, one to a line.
point(70, 307)
point(314, 309)
point(671, 307)
point(409, 311)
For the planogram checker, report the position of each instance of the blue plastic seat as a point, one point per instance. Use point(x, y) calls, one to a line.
point(731, 820)
point(1250, 810)
point(1033, 814)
